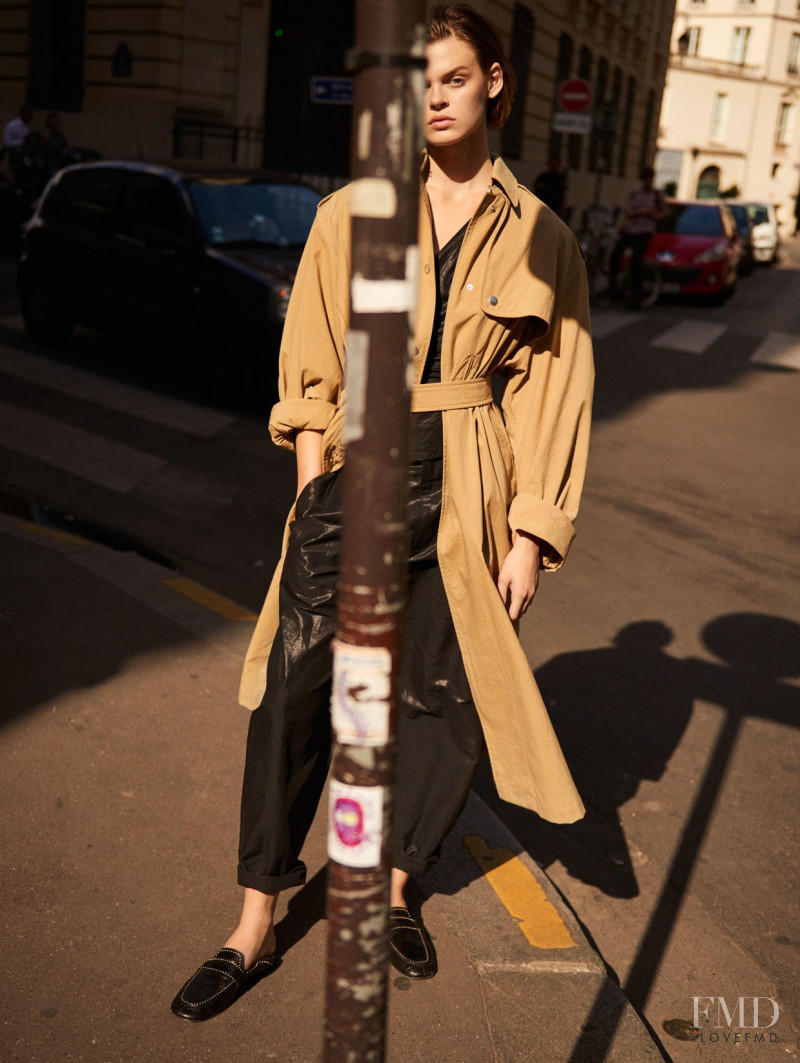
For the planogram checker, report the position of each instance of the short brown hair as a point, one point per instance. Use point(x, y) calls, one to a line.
point(461, 22)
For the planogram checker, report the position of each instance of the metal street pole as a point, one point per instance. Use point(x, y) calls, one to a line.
point(388, 60)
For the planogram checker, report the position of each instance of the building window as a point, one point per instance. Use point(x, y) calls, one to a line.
point(739, 43)
point(794, 49)
point(55, 72)
point(625, 130)
point(575, 143)
point(783, 132)
point(647, 132)
point(693, 46)
point(719, 118)
point(566, 49)
point(521, 52)
point(596, 147)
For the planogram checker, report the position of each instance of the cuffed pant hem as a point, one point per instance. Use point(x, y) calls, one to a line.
point(403, 862)
point(271, 883)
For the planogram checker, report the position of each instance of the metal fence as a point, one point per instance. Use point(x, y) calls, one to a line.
point(217, 141)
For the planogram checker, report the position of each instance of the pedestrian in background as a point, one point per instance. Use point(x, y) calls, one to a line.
point(551, 186)
point(644, 207)
point(492, 500)
point(17, 131)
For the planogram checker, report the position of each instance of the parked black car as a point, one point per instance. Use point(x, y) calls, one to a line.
point(744, 226)
point(200, 261)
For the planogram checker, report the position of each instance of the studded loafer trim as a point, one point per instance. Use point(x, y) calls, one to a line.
point(214, 985)
point(411, 949)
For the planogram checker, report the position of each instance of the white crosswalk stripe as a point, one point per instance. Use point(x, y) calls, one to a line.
point(692, 336)
point(607, 322)
point(115, 466)
point(124, 398)
point(779, 349)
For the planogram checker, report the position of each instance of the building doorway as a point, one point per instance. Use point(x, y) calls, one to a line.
point(708, 183)
point(307, 41)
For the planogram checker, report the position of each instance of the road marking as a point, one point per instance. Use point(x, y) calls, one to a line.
point(84, 454)
point(210, 599)
point(693, 336)
point(116, 466)
point(181, 416)
point(522, 895)
point(51, 533)
point(606, 322)
point(779, 349)
point(143, 580)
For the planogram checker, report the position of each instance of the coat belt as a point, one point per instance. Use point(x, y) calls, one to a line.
point(450, 395)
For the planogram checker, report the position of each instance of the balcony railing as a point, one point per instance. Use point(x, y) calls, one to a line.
point(715, 66)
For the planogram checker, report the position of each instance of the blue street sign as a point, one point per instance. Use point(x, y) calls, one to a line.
point(331, 90)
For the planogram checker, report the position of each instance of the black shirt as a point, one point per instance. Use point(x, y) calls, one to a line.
point(427, 439)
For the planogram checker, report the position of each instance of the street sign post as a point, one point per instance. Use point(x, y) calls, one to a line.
point(565, 122)
point(574, 95)
point(573, 102)
point(331, 90)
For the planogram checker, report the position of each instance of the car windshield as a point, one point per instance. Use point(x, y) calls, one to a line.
point(254, 213)
point(691, 219)
point(758, 214)
point(739, 213)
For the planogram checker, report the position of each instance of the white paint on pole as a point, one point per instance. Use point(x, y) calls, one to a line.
point(356, 368)
point(364, 134)
point(381, 296)
point(360, 694)
point(412, 279)
point(373, 197)
point(355, 824)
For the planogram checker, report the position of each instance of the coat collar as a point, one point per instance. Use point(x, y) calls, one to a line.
point(501, 176)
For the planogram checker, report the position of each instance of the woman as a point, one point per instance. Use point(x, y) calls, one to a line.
point(493, 497)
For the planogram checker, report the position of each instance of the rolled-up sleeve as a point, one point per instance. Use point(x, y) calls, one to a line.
point(312, 348)
point(547, 408)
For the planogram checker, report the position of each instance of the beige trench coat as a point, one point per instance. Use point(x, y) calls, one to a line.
point(518, 307)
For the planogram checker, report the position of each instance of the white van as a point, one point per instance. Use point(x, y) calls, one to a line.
point(764, 224)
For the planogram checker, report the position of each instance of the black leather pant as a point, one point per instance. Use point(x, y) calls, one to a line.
point(439, 737)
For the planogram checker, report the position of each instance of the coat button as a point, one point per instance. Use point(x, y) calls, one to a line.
point(493, 300)
point(427, 267)
point(470, 287)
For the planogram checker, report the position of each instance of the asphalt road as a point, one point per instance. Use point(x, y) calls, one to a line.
point(667, 648)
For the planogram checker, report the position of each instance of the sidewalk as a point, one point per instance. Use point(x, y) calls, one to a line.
point(123, 747)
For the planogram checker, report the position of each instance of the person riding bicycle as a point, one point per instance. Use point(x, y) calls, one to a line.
point(643, 209)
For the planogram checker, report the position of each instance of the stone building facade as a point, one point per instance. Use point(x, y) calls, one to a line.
point(243, 81)
point(729, 120)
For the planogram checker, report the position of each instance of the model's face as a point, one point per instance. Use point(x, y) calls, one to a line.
point(456, 92)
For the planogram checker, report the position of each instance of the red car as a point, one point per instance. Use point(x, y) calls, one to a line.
point(697, 250)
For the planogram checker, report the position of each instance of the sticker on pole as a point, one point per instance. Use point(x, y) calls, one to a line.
point(355, 824)
point(360, 694)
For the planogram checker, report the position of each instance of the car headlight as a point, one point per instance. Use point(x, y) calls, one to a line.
point(713, 253)
point(279, 303)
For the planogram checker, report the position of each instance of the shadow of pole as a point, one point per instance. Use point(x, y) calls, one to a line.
point(656, 938)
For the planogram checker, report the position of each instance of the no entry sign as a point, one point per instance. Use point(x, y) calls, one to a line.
point(574, 96)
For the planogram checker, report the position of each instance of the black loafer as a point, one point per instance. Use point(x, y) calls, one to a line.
point(214, 986)
point(410, 947)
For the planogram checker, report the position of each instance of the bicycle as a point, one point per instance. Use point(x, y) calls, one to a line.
point(597, 240)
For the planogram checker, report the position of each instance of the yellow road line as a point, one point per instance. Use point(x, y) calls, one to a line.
point(216, 602)
point(51, 533)
point(522, 895)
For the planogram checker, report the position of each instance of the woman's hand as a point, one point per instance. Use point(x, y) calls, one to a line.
point(519, 575)
point(308, 450)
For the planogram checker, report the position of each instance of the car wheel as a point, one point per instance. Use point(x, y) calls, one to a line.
point(46, 320)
